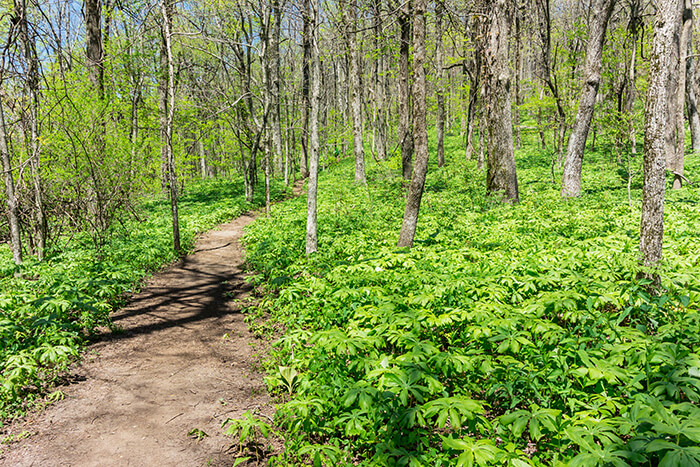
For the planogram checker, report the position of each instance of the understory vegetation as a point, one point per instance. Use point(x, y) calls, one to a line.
point(49, 308)
point(508, 335)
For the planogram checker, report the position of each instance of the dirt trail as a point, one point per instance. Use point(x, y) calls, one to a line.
point(139, 392)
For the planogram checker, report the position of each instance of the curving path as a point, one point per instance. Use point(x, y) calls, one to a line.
point(183, 360)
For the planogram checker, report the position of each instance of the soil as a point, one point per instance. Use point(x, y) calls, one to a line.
point(182, 360)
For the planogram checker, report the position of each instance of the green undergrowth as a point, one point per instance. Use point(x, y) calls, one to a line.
point(509, 335)
point(47, 309)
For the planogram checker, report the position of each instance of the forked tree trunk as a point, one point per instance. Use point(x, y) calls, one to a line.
point(314, 142)
point(656, 116)
point(501, 175)
point(420, 131)
point(571, 180)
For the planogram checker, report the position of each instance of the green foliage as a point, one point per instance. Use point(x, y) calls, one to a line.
point(509, 335)
point(48, 308)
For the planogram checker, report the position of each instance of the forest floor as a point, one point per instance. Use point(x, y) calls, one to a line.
point(182, 359)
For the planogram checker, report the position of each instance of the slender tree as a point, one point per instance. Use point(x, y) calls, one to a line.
point(167, 9)
point(657, 118)
point(571, 180)
point(355, 59)
point(420, 131)
point(314, 141)
point(440, 83)
point(405, 130)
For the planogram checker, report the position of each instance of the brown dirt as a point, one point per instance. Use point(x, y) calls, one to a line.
point(184, 360)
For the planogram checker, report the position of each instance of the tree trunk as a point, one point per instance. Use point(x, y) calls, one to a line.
point(166, 8)
point(275, 86)
point(379, 78)
point(440, 84)
point(571, 181)
point(676, 166)
point(501, 175)
point(691, 97)
point(32, 83)
point(15, 237)
point(405, 130)
point(306, 90)
point(93, 44)
point(420, 131)
point(356, 95)
point(518, 76)
point(312, 196)
point(656, 115)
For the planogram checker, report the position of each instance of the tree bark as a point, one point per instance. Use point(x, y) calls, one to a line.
point(32, 84)
point(166, 8)
point(571, 180)
point(420, 131)
point(93, 44)
point(691, 97)
point(405, 130)
point(676, 165)
point(275, 86)
point(312, 196)
point(440, 84)
point(15, 237)
point(656, 115)
point(356, 95)
point(305, 94)
point(501, 174)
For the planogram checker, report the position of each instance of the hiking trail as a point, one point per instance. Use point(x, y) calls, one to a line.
point(183, 359)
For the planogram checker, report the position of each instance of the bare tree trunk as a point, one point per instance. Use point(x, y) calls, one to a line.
point(275, 86)
point(676, 165)
point(356, 95)
point(571, 181)
point(93, 46)
point(15, 237)
point(656, 115)
point(379, 78)
point(631, 91)
point(166, 8)
point(305, 94)
point(420, 131)
point(440, 84)
point(32, 84)
point(405, 130)
point(501, 175)
point(518, 77)
point(691, 97)
point(163, 112)
point(312, 196)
